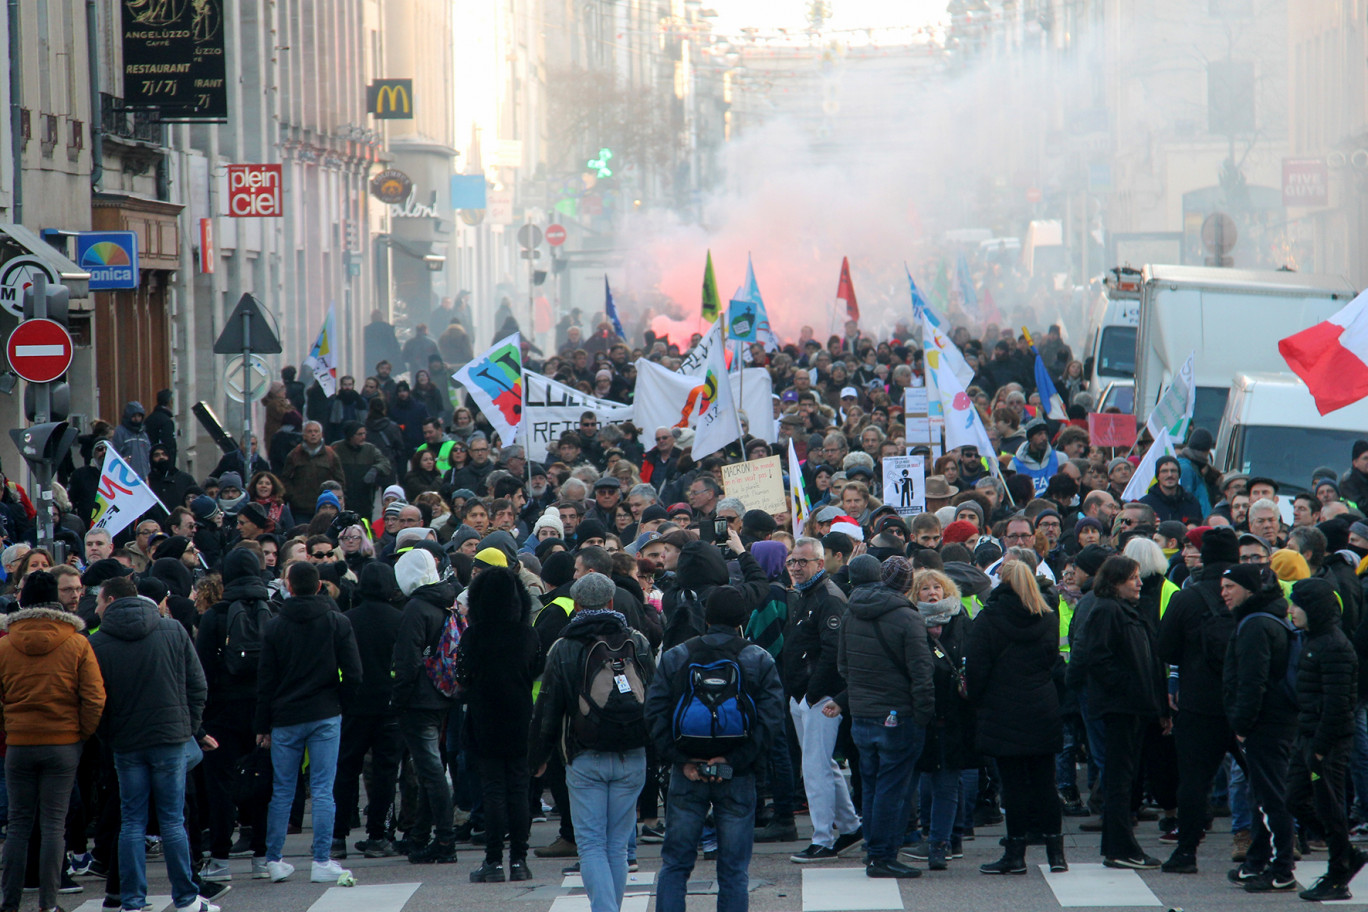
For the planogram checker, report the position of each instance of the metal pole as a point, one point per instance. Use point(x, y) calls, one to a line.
point(42, 413)
point(247, 385)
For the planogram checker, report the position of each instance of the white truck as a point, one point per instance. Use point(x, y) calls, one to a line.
point(1233, 320)
point(1113, 324)
point(1271, 427)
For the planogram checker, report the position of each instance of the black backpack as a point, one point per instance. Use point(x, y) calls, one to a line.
point(685, 622)
point(1215, 628)
point(1296, 642)
point(244, 625)
point(714, 714)
point(610, 707)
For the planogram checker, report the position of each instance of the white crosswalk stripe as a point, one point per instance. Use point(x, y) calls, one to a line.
point(158, 904)
point(1098, 885)
point(1309, 871)
point(848, 890)
point(375, 898)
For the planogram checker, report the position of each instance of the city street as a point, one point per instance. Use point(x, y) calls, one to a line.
point(777, 885)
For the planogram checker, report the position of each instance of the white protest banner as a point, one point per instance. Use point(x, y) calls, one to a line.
point(551, 408)
point(121, 496)
point(758, 484)
point(1140, 482)
point(905, 484)
point(663, 399)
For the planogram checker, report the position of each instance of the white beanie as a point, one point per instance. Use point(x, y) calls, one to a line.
point(549, 520)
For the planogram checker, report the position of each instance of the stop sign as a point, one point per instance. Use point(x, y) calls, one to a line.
point(555, 235)
point(39, 350)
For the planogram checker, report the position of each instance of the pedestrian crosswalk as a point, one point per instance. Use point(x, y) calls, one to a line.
point(821, 889)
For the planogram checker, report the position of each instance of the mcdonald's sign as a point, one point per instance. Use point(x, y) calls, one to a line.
point(390, 99)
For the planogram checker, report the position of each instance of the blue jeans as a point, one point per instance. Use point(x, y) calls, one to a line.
point(1358, 764)
point(940, 803)
point(603, 794)
point(153, 774)
point(887, 759)
point(1241, 811)
point(1097, 740)
point(733, 807)
point(322, 740)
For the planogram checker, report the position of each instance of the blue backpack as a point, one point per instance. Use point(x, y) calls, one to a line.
point(714, 715)
point(1296, 642)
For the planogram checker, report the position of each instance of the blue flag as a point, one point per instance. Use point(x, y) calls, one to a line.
point(1049, 397)
point(918, 302)
point(611, 309)
point(968, 296)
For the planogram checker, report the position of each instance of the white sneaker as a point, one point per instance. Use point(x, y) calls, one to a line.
point(279, 870)
point(327, 873)
point(216, 870)
point(199, 905)
point(260, 870)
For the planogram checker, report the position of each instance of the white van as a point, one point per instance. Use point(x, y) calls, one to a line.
point(1113, 324)
point(1271, 427)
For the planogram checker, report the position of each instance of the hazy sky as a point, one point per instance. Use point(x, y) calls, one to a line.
point(736, 14)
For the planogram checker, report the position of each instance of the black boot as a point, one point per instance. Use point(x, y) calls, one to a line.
point(1054, 851)
point(1013, 859)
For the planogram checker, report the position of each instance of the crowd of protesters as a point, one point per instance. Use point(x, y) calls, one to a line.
point(420, 607)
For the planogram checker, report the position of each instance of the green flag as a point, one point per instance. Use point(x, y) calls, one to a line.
point(711, 302)
point(940, 288)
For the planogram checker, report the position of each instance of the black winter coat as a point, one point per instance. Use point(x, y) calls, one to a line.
point(700, 570)
point(875, 684)
point(425, 614)
point(950, 735)
point(375, 620)
point(1010, 669)
point(498, 659)
point(1188, 627)
point(1255, 663)
point(1182, 506)
point(154, 686)
point(228, 693)
point(1326, 685)
point(1116, 658)
point(810, 653)
point(310, 665)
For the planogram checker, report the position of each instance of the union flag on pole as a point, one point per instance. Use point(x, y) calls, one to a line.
point(845, 291)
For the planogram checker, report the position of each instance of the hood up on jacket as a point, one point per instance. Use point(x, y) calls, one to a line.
point(175, 574)
point(504, 541)
point(377, 583)
point(970, 579)
point(701, 564)
point(130, 618)
point(1318, 599)
point(415, 569)
point(498, 596)
point(48, 626)
point(133, 408)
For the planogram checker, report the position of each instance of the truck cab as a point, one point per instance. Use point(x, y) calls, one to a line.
point(1271, 427)
point(1113, 325)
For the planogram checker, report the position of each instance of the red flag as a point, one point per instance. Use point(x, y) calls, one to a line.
point(845, 291)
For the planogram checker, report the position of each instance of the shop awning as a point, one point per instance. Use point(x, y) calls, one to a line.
point(16, 240)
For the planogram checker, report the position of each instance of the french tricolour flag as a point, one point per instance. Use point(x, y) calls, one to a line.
point(1332, 357)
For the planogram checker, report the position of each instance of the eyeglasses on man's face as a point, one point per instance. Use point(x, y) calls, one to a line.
point(799, 561)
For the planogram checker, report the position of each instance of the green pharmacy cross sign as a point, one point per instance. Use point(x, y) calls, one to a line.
point(600, 165)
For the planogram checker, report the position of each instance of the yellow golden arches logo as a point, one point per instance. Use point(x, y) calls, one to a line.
point(390, 99)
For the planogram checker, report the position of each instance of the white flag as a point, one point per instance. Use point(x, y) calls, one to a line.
point(1144, 473)
point(1174, 409)
point(551, 408)
point(963, 426)
point(322, 358)
point(122, 496)
point(801, 507)
point(717, 423)
point(493, 379)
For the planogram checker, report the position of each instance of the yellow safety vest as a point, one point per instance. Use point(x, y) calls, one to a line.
point(566, 604)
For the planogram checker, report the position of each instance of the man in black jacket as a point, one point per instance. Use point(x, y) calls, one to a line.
point(1193, 634)
point(702, 567)
point(1326, 694)
point(811, 679)
point(1264, 718)
point(420, 706)
point(310, 667)
point(228, 718)
point(154, 701)
point(730, 793)
point(368, 725)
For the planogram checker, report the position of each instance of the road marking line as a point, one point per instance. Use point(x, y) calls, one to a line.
point(158, 904)
point(1308, 871)
point(640, 882)
point(630, 903)
point(1098, 885)
point(848, 890)
point(374, 898)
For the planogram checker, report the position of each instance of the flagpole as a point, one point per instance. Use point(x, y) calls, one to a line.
point(736, 410)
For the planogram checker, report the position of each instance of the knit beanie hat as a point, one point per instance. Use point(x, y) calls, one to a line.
point(1289, 565)
point(897, 573)
point(549, 520)
point(1247, 576)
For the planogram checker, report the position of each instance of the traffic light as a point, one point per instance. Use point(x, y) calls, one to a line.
point(57, 307)
point(44, 446)
point(58, 304)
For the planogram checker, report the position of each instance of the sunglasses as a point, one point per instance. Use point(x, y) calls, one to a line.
point(321, 554)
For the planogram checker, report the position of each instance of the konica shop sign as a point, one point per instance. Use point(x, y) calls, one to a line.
point(111, 258)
